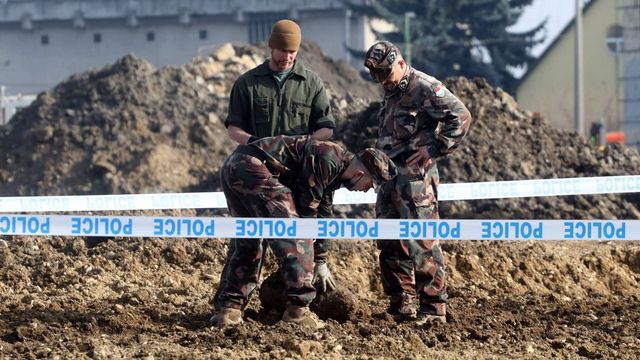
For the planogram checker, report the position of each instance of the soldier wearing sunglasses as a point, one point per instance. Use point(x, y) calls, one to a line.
point(420, 121)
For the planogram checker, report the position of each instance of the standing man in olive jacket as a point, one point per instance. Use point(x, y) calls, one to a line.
point(282, 97)
point(279, 96)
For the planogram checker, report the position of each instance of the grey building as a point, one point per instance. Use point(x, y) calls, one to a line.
point(626, 37)
point(44, 41)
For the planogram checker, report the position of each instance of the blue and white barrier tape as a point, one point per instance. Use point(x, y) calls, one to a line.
point(212, 200)
point(144, 226)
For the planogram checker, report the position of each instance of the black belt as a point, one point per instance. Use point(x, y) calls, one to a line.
point(401, 159)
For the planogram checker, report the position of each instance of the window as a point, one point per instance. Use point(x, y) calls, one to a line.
point(202, 34)
point(151, 36)
point(97, 38)
point(44, 39)
point(615, 38)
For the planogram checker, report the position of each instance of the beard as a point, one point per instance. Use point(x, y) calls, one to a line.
point(283, 64)
point(389, 85)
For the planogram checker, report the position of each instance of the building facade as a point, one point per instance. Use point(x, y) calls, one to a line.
point(44, 41)
point(548, 86)
point(611, 58)
point(629, 69)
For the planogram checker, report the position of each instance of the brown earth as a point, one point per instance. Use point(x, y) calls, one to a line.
point(125, 298)
point(131, 128)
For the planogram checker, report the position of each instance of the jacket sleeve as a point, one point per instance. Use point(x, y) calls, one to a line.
point(239, 113)
point(320, 109)
point(321, 246)
point(441, 105)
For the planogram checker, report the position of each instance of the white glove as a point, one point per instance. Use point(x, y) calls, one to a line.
point(322, 276)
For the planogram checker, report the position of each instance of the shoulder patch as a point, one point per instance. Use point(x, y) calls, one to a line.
point(438, 91)
point(404, 82)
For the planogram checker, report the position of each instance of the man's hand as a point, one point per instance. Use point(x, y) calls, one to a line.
point(322, 276)
point(420, 157)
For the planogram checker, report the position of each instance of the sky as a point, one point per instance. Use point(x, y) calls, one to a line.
point(559, 13)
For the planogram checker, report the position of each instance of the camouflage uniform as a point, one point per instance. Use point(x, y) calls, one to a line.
point(261, 106)
point(420, 111)
point(277, 177)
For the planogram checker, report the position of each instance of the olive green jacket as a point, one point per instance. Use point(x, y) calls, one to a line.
point(260, 107)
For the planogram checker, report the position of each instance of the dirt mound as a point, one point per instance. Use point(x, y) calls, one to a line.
point(509, 143)
point(129, 128)
point(124, 128)
point(340, 304)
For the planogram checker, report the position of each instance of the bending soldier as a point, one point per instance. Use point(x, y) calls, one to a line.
point(285, 176)
point(282, 97)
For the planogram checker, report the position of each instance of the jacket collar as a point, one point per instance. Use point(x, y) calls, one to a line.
point(264, 70)
point(403, 85)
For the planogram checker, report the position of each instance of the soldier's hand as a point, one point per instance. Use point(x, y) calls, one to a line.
point(420, 157)
point(323, 278)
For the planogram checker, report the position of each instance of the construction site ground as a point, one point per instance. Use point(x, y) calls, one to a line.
point(130, 128)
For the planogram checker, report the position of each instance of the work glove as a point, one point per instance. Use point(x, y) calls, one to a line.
point(322, 276)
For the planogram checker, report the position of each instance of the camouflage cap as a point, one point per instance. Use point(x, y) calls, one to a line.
point(381, 168)
point(380, 59)
point(381, 55)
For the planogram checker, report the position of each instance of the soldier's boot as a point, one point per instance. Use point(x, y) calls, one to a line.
point(403, 307)
point(226, 317)
point(301, 315)
point(435, 313)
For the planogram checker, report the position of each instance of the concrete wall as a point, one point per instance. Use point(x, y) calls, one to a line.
point(28, 66)
point(630, 72)
point(329, 29)
point(549, 88)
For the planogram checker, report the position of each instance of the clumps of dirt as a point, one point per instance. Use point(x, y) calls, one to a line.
point(151, 297)
point(344, 83)
point(506, 142)
point(124, 128)
point(340, 304)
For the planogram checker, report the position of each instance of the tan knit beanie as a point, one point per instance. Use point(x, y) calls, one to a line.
point(285, 35)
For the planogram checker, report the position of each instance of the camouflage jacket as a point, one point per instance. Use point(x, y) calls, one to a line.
point(310, 168)
point(411, 114)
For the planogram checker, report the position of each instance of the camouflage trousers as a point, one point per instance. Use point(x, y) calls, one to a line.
point(252, 191)
point(416, 266)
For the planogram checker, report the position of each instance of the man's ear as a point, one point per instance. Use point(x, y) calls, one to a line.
point(360, 173)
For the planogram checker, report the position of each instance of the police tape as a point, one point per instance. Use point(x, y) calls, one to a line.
point(212, 200)
point(297, 228)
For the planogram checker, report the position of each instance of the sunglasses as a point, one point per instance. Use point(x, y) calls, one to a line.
point(380, 75)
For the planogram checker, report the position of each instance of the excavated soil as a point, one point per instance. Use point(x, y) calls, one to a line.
point(127, 298)
point(131, 128)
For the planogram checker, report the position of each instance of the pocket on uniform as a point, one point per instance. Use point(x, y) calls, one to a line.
point(405, 122)
point(262, 109)
point(299, 115)
point(423, 193)
point(278, 201)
